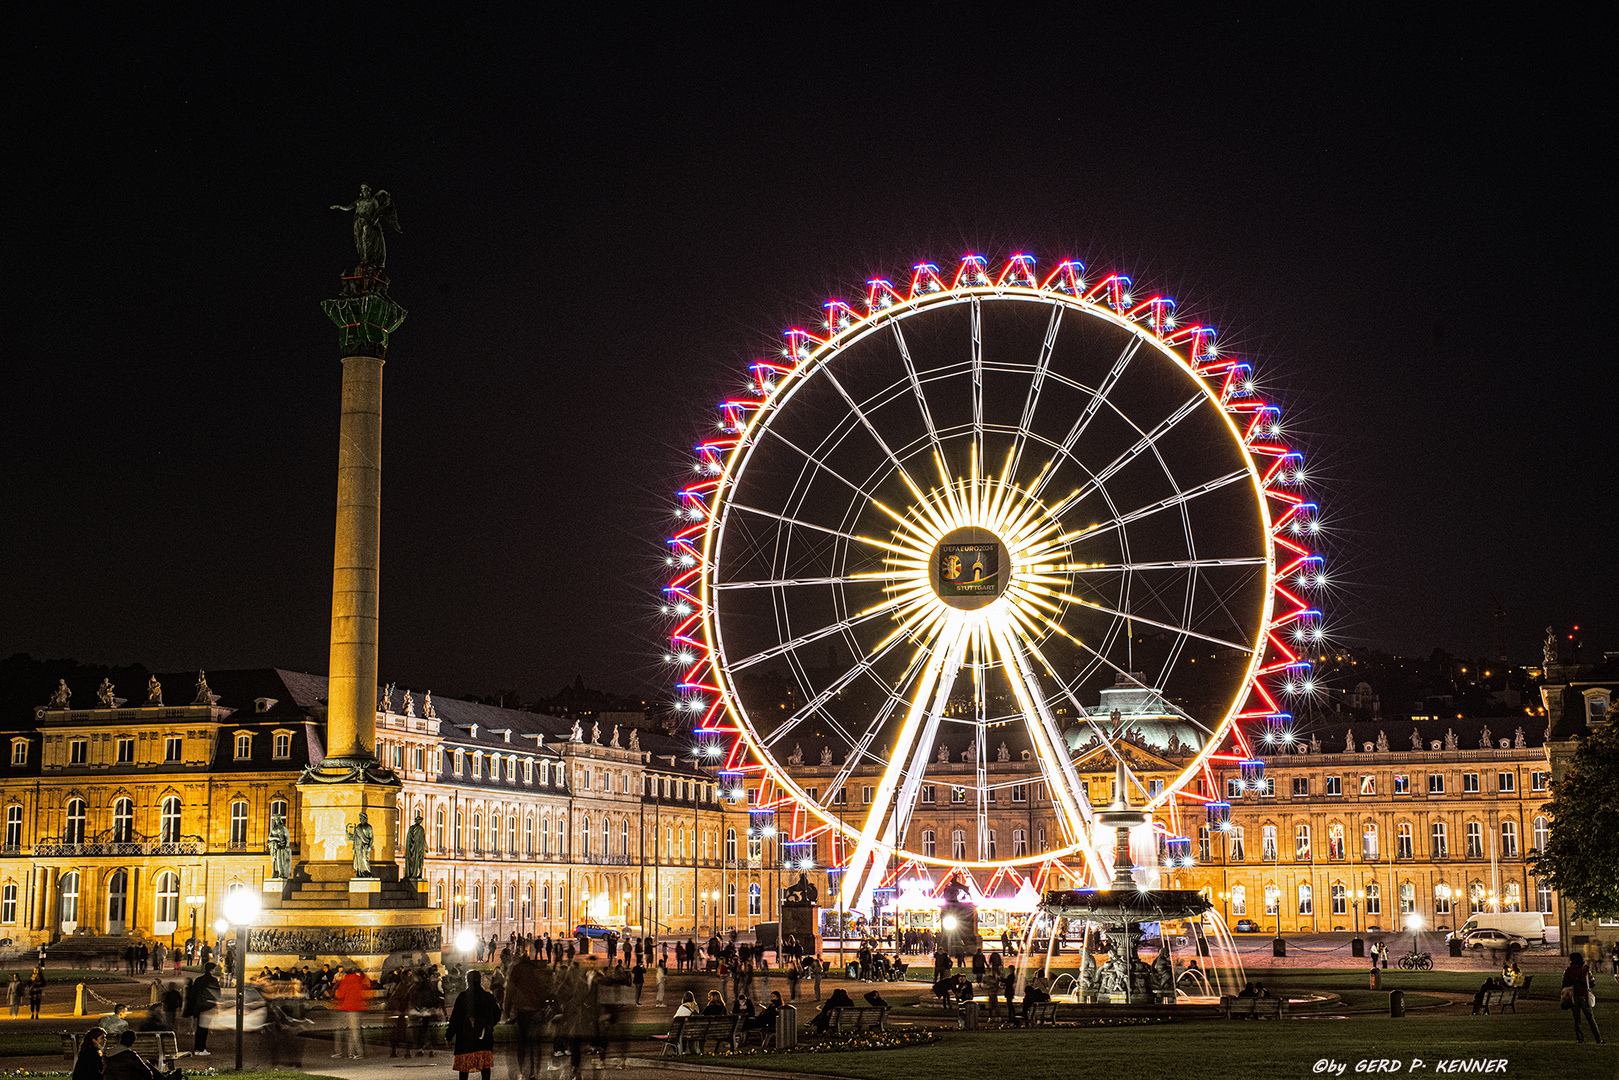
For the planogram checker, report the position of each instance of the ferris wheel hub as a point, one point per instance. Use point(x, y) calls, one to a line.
point(970, 568)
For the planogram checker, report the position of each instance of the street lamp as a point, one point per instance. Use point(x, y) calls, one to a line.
point(195, 902)
point(241, 909)
point(1355, 897)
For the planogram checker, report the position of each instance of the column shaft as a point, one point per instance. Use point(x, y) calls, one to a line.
point(352, 691)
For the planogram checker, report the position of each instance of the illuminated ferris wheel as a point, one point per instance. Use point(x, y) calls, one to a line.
point(992, 513)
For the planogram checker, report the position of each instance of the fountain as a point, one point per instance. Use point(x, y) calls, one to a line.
point(1119, 911)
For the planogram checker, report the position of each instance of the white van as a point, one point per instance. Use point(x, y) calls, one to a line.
point(1529, 925)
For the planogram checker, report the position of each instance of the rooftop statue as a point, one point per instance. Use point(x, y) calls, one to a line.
point(1416, 739)
point(371, 213)
point(1548, 648)
point(427, 706)
point(204, 697)
point(104, 696)
point(154, 692)
point(60, 699)
point(635, 739)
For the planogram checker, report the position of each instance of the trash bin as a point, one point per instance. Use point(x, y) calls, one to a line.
point(1396, 1003)
point(1455, 946)
point(968, 1014)
point(786, 1027)
point(1357, 946)
point(1278, 947)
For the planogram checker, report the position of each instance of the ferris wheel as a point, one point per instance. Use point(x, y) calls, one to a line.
point(991, 511)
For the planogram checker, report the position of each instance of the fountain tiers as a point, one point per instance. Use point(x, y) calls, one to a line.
point(1120, 912)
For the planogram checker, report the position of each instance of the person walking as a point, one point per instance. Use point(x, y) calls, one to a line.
point(202, 994)
point(815, 966)
point(14, 992)
point(1579, 994)
point(472, 1026)
point(36, 990)
point(661, 976)
point(349, 997)
point(638, 977)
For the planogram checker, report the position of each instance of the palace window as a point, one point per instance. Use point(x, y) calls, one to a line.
point(1237, 847)
point(1441, 901)
point(1509, 839)
point(1340, 900)
point(238, 822)
point(68, 902)
point(561, 834)
point(624, 836)
point(511, 901)
point(1335, 841)
point(1513, 901)
point(1441, 842)
point(19, 752)
point(1273, 900)
point(1436, 783)
point(930, 843)
point(990, 854)
point(1402, 784)
point(244, 746)
point(1203, 854)
point(865, 794)
point(730, 845)
point(584, 836)
point(1239, 900)
point(528, 835)
point(1335, 785)
point(528, 901)
point(78, 751)
point(958, 844)
point(1301, 786)
point(477, 764)
point(1403, 844)
point(458, 763)
point(1306, 900)
point(755, 899)
point(1374, 899)
point(126, 751)
point(1543, 896)
point(1469, 783)
point(1233, 790)
point(1541, 835)
point(1475, 840)
point(8, 904)
point(477, 902)
point(14, 826)
point(1368, 785)
point(171, 749)
point(1020, 843)
point(282, 746)
point(1301, 842)
point(168, 900)
point(477, 832)
point(1506, 782)
point(438, 829)
point(1368, 843)
point(929, 794)
point(1267, 839)
point(1267, 787)
point(457, 837)
point(730, 898)
point(123, 821)
point(1537, 781)
point(74, 833)
point(1408, 898)
point(1020, 792)
point(1475, 897)
point(494, 848)
point(511, 834)
point(545, 901)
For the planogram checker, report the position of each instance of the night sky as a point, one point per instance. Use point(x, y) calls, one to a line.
point(1400, 224)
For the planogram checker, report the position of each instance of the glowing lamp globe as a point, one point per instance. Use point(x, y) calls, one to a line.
point(466, 941)
point(241, 908)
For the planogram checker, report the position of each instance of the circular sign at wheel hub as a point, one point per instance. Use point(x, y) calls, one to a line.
point(970, 568)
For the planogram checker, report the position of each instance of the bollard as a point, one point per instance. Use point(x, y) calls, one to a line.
point(1455, 946)
point(786, 1027)
point(1377, 979)
point(1278, 947)
point(1357, 946)
point(968, 1016)
point(78, 1001)
point(1396, 1003)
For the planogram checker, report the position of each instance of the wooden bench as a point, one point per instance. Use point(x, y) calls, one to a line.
point(1507, 997)
point(1255, 1008)
point(1042, 1014)
point(159, 1046)
point(843, 1020)
point(698, 1029)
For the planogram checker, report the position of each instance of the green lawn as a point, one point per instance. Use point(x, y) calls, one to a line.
point(1536, 1046)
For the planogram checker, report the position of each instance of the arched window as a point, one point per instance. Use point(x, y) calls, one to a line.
point(1408, 898)
point(278, 809)
point(528, 835)
point(755, 899)
point(69, 900)
point(238, 823)
point(477, 903)
point(958, 844)
point(457, 838)
point(930, 843)
point(1020, 843)
point(624, 837)
point(1513, 900)
point(438, 829)
point(1543, 896)
point(1402, 841)
point(14, 826)
point(730, 845)
point(123, 821)
point(730, 898)
point(168, 902)
point(438, 896)
point(1301, 845)
point(1239, 900)
point(511, 834)
point(606, 833)
point(584, 836)
point(561, 834)
point(511, 898)
point(169, 821)
point(1306, 900)
point(117, 901)
point(1542, 834)
point(74, 833)
point(545, 901)
point(1273, 900)
point(1475, 840)
point(545, 836)
point(1509, 839)
point(1340, 900)
point(1475, 896)
point(528, 901)
point(477, 832)
point(1374, 899)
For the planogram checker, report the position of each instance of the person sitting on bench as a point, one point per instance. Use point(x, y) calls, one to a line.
point(1032, 995)
point(875, 1000)
point(1491, 985)
point(839, 999)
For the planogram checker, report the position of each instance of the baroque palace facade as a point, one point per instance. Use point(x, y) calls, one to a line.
point(139, 819)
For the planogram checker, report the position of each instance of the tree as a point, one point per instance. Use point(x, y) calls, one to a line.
point(1581, 859)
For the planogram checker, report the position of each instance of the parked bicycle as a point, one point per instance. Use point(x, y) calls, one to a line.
point(1416, 961)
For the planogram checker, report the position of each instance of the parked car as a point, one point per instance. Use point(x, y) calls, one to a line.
point(1490, 938)
point(1247, 926)
point(596, 932)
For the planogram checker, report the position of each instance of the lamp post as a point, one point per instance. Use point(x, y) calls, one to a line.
point(1355, 897)
point(195, 902)
point(241, 909)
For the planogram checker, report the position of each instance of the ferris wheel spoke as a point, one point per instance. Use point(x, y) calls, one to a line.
point(877, 437)
point(821, 464)
point(782, 583)
point(1171, 564)
point(837, 686)
point(1171, 502)
point(1188, 631)
point(916, 387)
point(802, 524)
point(1092, 407)
point(1036, 383)
point(816, 635)
point(978, 380)
point(1147, 441)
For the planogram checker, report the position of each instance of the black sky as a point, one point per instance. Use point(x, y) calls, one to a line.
point(1402, 223)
